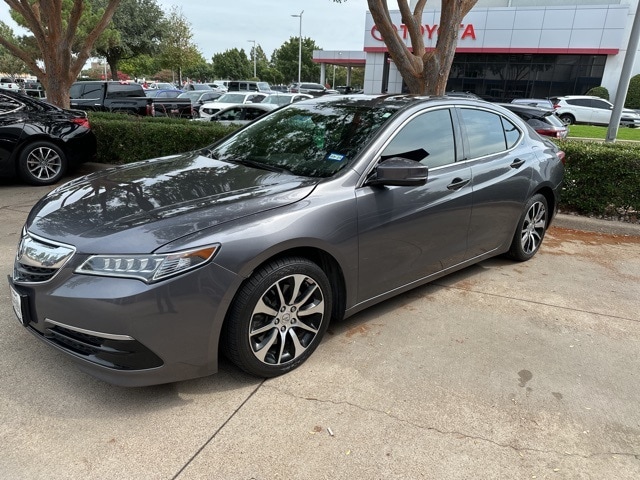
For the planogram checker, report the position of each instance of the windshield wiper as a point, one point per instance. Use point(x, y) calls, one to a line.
point(260, 165)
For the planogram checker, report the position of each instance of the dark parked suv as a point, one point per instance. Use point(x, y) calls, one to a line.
point(315, 89)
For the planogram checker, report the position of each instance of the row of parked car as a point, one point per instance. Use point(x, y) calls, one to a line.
point(552, 116)
point(51, 140)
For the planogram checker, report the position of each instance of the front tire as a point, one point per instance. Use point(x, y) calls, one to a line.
point(42, 163)
point(531, 229)
point(278, 317)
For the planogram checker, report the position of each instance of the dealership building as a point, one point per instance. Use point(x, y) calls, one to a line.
point(512, 48)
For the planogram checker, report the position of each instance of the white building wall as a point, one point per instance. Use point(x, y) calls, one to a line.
point(586, 24)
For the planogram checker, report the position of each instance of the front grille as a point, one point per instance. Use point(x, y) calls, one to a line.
point(108, 352)
point(28, 274)
point(38, 260)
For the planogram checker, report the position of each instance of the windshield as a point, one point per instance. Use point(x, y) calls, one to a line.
point(315, 140)
point(231, 98)
point(191, 95)
point(277, 99)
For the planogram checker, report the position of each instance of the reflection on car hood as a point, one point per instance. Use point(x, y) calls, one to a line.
point(140, 207)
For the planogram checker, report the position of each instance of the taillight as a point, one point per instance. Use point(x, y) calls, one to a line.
point(82, 122)
point(561, 155)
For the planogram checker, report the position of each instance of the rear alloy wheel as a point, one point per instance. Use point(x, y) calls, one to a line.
point(278, 318)
point(567, 119)
point(531, 229)
point(42, 163)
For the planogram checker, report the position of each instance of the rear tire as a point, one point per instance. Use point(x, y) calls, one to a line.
point(531, 229)
point(42, 163)
point(567, 119)
point(278, 317)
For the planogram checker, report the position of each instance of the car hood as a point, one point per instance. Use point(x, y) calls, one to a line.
point(140, 207)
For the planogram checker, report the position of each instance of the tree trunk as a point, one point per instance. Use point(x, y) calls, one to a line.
point(54, 36)
point(424, 73)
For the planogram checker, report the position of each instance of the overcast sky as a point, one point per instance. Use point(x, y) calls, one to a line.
point(221, 25)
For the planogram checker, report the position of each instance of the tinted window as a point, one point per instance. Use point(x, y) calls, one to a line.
point(601, 104)
point(8, 104)
point(115, 90)
point(486, 132)
point(427, 139)
point(580, 102)
point(511, 133)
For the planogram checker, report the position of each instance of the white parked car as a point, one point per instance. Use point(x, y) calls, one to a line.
point(591, 110)
point(9, 84)
point(229, 99)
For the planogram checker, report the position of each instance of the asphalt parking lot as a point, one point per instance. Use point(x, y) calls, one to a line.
point(501, 371)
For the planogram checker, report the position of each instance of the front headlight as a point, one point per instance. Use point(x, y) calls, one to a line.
point(148, 268)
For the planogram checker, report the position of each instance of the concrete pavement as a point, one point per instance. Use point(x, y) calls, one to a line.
point(503, 370)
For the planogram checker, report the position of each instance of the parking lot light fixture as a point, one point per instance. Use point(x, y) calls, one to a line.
point(254, 58)
point(299, 47)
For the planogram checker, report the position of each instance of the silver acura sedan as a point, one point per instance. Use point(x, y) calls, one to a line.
point(145, 273)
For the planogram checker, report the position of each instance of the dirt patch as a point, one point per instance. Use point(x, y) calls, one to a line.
point(605, 251)
point(556, 236)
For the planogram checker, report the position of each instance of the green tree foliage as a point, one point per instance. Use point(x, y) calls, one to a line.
point(232, 64)
point(177, 50)
point(285, 60)
point(601, 92)
point(201, 72)
point(137, 29)
point(262, 63)
point(140, 66)
point(64, 33)
point(9, 63)
point(633, 94)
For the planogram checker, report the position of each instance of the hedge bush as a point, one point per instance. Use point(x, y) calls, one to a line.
point(126, 138)
point(601, 92)
point(601, 179)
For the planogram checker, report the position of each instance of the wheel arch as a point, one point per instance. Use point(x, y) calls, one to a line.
point(547, 192)
point(327, 262)
point(31, 139)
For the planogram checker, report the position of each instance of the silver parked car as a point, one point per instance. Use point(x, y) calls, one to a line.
point(144, 273)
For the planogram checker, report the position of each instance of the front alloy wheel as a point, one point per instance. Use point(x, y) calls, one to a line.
point(278, 318)
point(531, 229)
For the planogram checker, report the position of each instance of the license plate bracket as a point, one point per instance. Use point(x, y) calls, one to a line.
point(20, 305)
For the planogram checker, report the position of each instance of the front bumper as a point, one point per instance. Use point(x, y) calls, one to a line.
point(126, 332)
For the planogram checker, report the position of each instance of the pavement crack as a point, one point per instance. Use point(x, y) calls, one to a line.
point(215, 434)
point(455, 433)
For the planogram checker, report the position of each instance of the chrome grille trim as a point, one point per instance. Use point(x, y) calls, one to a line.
point(38, 260)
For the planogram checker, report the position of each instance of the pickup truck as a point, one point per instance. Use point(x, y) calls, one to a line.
point(108, 96)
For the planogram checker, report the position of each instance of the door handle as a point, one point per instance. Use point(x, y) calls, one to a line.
point(517, 163)
point(457, 184)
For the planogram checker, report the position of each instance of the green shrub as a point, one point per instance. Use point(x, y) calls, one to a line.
point(601, 92)
point(601, 178)
point(633, 94)
point(126, 138)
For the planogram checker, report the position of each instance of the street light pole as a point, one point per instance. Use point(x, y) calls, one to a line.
point(254, 58)
point(299, 47)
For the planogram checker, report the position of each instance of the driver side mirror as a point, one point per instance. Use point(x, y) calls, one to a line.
point(400, 172)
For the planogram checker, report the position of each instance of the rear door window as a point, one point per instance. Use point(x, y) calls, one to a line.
point(488, 133)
